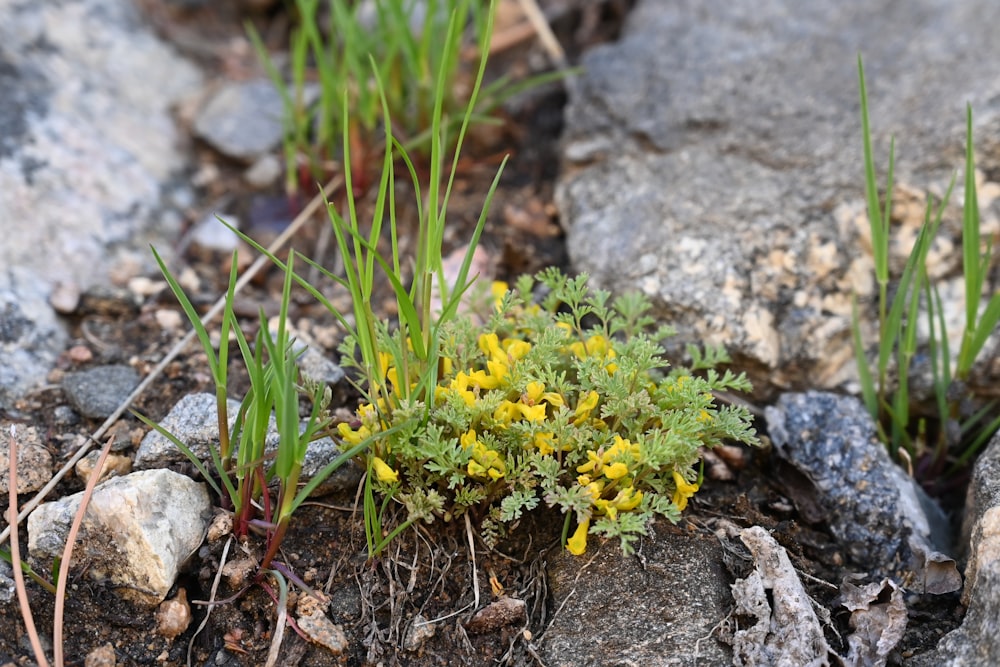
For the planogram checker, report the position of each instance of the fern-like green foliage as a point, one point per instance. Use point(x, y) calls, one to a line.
point(569, 401)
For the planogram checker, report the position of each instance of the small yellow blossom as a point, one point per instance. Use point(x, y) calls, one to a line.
point(498, 289)
point(533, 413)
point(535, 393)
point(626, 499)
point(585, 407)
point(615, 470)
point(593, 464)
point(460, 385)
point(489, 344)
point(577, 544)
point(352, 436)
point(515, 348)
point(684, 491)
point(545, 442)
point(383, 472)
point(506, 412)
point(485, 462)
point(468, 439)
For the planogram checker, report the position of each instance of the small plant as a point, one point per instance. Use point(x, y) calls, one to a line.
point(898, 317)
point(241, 467)
point(400, 52)
point(568, 402)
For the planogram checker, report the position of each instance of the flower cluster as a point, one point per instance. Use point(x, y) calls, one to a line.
point(568, 401)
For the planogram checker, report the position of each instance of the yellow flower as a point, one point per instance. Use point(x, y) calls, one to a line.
point(577, 544)
point(446, 366)
point(593, 464)
point(498, 371)
point(383, 472)
point(535, 393)
point(545, 443)
point(485, 462)
point(506, 412)
point(468, 439)
point(684, 491)
point(585, 407)
point(533, 413)
point(515, 348)
point(498, 289)
point(489, 344)
point(626, 499)
point(615, 470)
point(352, 436)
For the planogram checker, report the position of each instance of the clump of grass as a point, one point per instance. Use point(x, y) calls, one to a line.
point(240, 468)
point(959, 433)
point(399, 54)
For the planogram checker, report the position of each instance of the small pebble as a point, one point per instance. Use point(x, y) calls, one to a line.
point(79, 354)
point(34, 462)
point(221, 526)
point(237, 572)
point(264, 172)
point(418, 633)
point(115, 464)
point(324, 632)
point(211, 235)
point(168, 319)
point(145, 287)
point(102, 656)
point(97, 392)
point(65, 297)
point(497, 614)
point(173, 616)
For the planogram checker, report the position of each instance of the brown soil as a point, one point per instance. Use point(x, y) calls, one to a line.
point(427, 571)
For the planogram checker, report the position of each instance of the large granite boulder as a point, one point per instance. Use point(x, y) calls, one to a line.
point(712, 159)
point(87, 150)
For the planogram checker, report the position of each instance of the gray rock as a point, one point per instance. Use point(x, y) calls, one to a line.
point(34, 462)
point(8, 587)
point(264, 172)
point(193, 420)
point(713, 162)
point(97, 392)
point(318, 367)
point(210, 234)
point(85, 114)
point(881, 517)
point(657, 610)
point(977, 640)
point(138, 531)
point(242, 120)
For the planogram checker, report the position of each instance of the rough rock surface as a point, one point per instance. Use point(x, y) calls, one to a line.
point(656, 610)
point(87, 145)
point(242, 120)
point(138, 531)
point(881, 517)
point(98, 391)
point(977, 640)
point(34, 461)
point(713, 161)
point(193, 420)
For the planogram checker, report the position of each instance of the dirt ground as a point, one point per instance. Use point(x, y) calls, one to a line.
point(425, 574)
